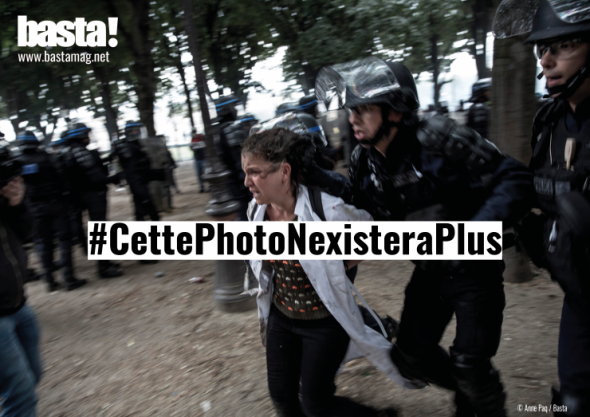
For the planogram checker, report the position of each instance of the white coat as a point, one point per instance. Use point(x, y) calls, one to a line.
point(329, 279)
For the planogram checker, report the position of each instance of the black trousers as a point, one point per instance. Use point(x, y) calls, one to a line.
point(302, 357)
point(51, 220)
point(142, 199)
point(96, 204)
point(476, 298)
point(573, 358)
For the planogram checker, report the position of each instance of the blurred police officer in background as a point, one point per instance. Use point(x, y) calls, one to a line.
point(309, 105)
point(560, 239)
point(45, 191)
point(478, 115)
point(20, 368)
point(87, 179)
point(433, 170)
point(136, 168)
point(229, 148)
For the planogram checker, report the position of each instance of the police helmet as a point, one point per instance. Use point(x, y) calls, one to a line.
point(10, 168)
point(289, 107)
point(133, 130)
point(547, 23)
point(77, 133)
point(248, 118)
point(308, 104)
point(542, 19)
point(369, 81)
point(479, 88)
point(247, 121)
point(225, 107)
point(547, 20)
point(27, 140)
point(300, 123)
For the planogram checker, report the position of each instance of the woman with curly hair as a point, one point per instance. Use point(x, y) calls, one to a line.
point(309, 320)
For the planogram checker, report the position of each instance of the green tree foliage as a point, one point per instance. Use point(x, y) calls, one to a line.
point(37, 94)
point(32, 93)
point(432, 30)
point(326, 32)
point(479, 14)
point(234, 35)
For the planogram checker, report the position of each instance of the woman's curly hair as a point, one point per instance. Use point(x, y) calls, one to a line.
point(281, 145)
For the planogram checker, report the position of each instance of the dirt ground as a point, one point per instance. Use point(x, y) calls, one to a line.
point(140, 345)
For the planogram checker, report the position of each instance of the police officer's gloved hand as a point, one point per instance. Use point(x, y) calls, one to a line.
point(530, 235)
point(460, 144)
point(574, 208)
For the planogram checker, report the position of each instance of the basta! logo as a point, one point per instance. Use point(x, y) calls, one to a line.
point(65, 33)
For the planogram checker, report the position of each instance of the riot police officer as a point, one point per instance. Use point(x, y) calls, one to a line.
point(46, 194)
point(73, 209)
point(478, 115)
point(87, 179)
point(308, 105)
point(136, 167)
point(433, 170)
point(560, 239)
point(229, 148)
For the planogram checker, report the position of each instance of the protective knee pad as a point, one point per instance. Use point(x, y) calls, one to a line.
point(480, 382)
point(564, 403)
point(432, 368)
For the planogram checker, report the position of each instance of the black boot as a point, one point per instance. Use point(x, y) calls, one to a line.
point(433, 368)
point(463, 406)
point(107, 270)
point(480, 383)
point(74, 283)
point(52, 285)
point(32, 275)
point(566, 403)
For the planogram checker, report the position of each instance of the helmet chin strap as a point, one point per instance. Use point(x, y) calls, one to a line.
point(384, 129)
point(567, 89)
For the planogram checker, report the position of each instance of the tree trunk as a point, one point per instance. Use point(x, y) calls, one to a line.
point(435, 69)
point(513, 109)
point(513, 98)
point(479, 33)
point(107, 104)
point(143, 67)
point(137, 36)
point(195, 49)
point(177, 62)
point(187, 92)
point(15, 126)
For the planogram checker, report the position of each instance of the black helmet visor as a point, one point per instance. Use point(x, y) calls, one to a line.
point(515, 17)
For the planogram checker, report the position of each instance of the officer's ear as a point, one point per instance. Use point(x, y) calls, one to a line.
point(395, 116)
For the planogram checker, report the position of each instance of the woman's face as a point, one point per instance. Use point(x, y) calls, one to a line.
point(268, 182)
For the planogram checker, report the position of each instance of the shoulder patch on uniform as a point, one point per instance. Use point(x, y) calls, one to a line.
point(30, 169)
